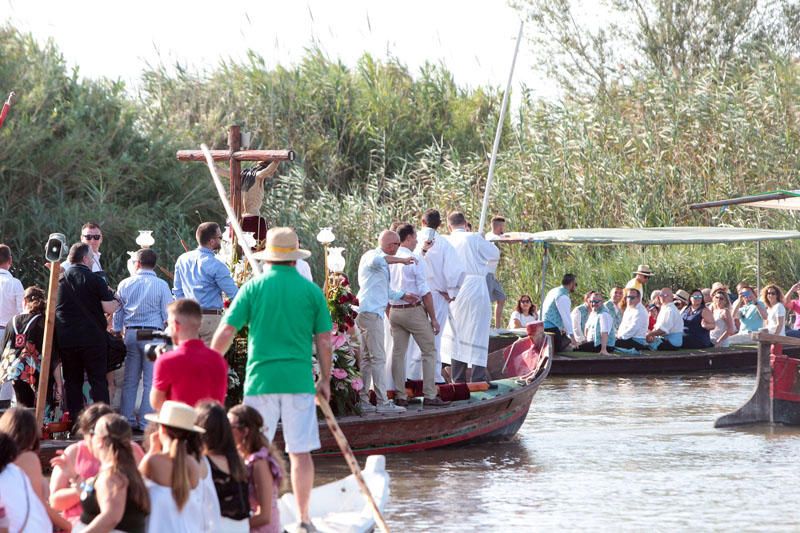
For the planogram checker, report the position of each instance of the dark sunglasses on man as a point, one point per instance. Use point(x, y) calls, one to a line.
point(92, 237)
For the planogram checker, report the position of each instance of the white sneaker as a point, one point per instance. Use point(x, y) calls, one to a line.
point(390, 407)
point(366, 407)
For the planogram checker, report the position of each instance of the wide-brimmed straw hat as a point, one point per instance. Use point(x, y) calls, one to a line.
point(718, 286)
point(644, 270)
point(176, 415)
point(282, 245)
point(682, 295)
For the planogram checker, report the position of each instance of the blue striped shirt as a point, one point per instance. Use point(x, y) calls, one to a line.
point(199, 275)
point(143, 298)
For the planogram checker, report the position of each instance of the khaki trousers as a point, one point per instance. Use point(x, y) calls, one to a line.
point(407, 322)
point(208, 326)
point(372, 357)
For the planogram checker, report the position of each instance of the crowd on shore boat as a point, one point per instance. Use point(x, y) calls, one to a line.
point(701, 318)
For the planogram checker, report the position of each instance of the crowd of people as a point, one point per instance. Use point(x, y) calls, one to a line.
point(623, 322)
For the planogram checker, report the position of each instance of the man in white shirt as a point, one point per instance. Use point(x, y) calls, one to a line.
point(92, 235)
point(556, 313)
point(579, 316)
point(11, 293)
point(445, 275)
point(667, 333)
point(496, 293)
point(304, 269)
point(632, 330)
point(416, 319)
point(466, 336)
point(599, 330)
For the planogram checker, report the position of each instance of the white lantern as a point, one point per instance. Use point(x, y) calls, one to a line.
point(325, 236)
point(336, 260)
point(145, 239)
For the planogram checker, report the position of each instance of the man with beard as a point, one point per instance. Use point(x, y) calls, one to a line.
point(199, 275)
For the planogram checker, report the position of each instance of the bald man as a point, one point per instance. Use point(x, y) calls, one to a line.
point(373, 296)
point(667, 333)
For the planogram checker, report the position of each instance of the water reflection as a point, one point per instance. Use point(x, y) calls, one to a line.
point(618, 453)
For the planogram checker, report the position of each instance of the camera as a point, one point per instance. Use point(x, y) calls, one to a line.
point(155, 349)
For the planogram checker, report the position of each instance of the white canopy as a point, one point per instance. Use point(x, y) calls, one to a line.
point(662, 236)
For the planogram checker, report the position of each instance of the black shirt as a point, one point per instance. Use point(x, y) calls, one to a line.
point(78, 326)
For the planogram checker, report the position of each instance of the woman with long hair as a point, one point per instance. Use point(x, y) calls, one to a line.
point(20, 425)
point(23, 509)
point(227, 468)
point(22, 347)
point(772, 296)
point(171, 472)
point(265, 467)
point(724, 326)
point(116, 499)
point(698, 321)
point(524, 313)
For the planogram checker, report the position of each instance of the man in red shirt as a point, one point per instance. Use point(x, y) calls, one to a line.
point(191, 372)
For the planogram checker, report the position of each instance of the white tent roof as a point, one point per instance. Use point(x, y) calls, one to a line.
point(662, 236)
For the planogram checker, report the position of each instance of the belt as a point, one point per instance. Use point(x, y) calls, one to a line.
point(212, 311)
point(405, 306)
point(141, 327)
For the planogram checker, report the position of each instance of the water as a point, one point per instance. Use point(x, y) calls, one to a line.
point(608, 454)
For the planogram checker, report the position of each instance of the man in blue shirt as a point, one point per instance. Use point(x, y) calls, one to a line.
point(373, 298)
point(143, 301)
point(199, 275)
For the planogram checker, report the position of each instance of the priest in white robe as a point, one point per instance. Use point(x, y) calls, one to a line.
point(466, 336)
point(445, 275)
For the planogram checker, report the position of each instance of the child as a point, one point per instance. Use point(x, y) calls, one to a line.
point(264, 467)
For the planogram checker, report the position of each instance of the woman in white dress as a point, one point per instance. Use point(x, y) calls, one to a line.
point(24, 511)
point(776, 312)
point(524, 313)
point(724, 326)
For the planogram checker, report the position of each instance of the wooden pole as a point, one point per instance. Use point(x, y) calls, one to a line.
point(47, 344)
point(347, 452)
point(234, 143)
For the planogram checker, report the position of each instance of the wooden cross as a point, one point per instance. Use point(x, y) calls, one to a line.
point(235, 156)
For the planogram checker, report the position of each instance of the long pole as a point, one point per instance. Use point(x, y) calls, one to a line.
point(758, 268)
point(542, 293)
point(47, 343)
point(498, 134)
point(341, 440)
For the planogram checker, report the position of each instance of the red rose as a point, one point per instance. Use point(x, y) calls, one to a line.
point(355, 301)
point(342, 299)
point(345, 282)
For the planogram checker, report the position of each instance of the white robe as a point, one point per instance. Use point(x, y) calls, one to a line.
point(468, 339)
point(445, 274)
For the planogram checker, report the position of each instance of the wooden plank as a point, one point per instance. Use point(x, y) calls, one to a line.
point(763, 336)
point(244, 155)
point(235, 188)
point(47, 343)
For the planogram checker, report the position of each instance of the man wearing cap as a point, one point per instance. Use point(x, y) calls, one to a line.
point(199, 275)
point(667, 334)
point(496, 293)
point(284, 312)
point(642, 274)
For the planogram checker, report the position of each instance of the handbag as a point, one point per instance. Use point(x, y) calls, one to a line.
point(116, 349)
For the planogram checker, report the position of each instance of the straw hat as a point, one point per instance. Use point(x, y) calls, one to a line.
point(282, 245)
point(176, 415)
point(682, 295)
point(644, 270)
point(718, 286)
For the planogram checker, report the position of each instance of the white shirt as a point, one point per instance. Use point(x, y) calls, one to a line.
point(634, 322)
point(15, 490)
point(304, 269)
point(773, 314)
point(524, 320)
point(445, 272)
point(492, 264)
point(475, 251)
point(577, 327)
point(408, 279)
point(605, 321)
point(96, 267)
point(11, 293)
point(669, 319)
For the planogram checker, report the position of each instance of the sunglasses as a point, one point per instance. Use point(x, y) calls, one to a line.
point(524, 301)
point(92, 237)
point(772, 293)
point(631, 297)
point(596, 301)
point(697, 296)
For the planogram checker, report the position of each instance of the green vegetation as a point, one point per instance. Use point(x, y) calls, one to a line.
point(376, 143)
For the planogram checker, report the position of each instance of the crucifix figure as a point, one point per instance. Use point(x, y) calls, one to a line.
point(254, 193)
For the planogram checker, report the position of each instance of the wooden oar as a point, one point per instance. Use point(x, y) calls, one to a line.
point(341, 440)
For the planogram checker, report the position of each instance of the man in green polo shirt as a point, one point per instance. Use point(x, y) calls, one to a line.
point(284, 312)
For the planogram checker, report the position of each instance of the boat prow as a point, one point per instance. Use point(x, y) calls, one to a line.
point(339, 506)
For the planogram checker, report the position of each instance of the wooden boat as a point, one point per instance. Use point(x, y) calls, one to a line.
point(339, 506)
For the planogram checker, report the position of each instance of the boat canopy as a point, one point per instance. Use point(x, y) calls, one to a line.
point(788, 200)
point(645, 236)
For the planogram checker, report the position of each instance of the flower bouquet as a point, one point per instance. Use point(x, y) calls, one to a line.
point(346, 379)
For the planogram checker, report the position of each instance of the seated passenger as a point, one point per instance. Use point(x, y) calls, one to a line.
point(653, 307)
point(698, 321)
point(667, 333)
point(524, 313)
point(615, 303)
point(579, 317)
point(776, 312)
point(793, 306)
point(599, 332)
point(633, 328)
point(681, 299)
point(723, 320)
point(749, 312)
point(706, 296)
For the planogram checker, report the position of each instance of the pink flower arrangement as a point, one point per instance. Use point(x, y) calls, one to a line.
point(339, 373)
point(357, 384)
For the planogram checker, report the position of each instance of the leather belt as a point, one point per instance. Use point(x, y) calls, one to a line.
point(141, 327)
point(405, 306)
point(212, 311)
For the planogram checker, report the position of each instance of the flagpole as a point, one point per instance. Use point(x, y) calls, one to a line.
point(497, 135)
